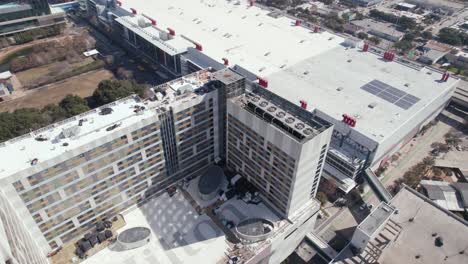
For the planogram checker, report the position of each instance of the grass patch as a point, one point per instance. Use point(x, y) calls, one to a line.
point(57, 71)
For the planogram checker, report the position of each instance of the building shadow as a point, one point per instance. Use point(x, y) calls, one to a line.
point(175, 223)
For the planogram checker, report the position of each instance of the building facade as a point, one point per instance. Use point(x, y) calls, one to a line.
point(96, 165)
point(63, 197)
point(279, 151)
point(21, 16)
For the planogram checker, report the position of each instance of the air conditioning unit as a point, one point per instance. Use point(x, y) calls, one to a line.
point(281, 114)
point(271, 109)
point(299, 126)
point(256, 98)
point(308, 131)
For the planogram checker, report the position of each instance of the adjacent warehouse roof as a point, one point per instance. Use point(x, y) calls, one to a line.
point(421, 232)
point(301, 65)
point(444, 194)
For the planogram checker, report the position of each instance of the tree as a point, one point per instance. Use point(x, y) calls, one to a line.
point(437, 172)
point(54, 113)
point(411, 179)
point(441, 147)
point(328, 187)
point(334, 22)
point(410, 36)
point(20, 122)
point(427, 35)
point(406, 23)
point(375, 40)
point(452, 139)
point(403, 45)
point(450, 36)
point(322, 197)
point(362, 35)
point(111, 90)
point(74, 105)
point(428, 161)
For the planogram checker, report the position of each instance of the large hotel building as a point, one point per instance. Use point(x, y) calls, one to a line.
point(242, 73)
point(64, 178)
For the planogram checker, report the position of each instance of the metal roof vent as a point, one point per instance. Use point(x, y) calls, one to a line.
point(41, 138)
point(339, 89)
point(372, 105)
point(114, 126)
point(271, 109)
point(289, 120)
point(299, 126)
point(308, 131)
point(281, 114)
point(263, 103)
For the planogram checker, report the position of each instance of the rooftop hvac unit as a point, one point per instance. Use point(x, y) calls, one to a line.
point(299, 126)
point(263, 103)
point(308, 131)
point(281, 114)
point(143, 23)
point(256, 98)
point(271, 109)
point(290, 120)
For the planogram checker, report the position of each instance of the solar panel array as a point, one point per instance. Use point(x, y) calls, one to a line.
point(390, 94)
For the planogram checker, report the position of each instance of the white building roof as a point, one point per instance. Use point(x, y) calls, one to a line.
point(5, 75)
point(91, 52)
point(351, 69)
point(154, 35)
point(275, 49)
point(17, 154)
point(407, 5)
point(245, 35)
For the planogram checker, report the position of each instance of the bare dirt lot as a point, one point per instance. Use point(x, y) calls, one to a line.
point(82, 85)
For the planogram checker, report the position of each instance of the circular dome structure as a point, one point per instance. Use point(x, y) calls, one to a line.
point(254, 229)
point(134, 237)
point(210, 182)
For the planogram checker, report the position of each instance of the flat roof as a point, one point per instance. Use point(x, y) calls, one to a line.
point(48, 142)
point(331, 82)
point(416, 237)
point(18, 153)
point(297, 63)
point(384, 27)
point(410, 234)
point(141, 26)
point(378, 217)
point(244, 35)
